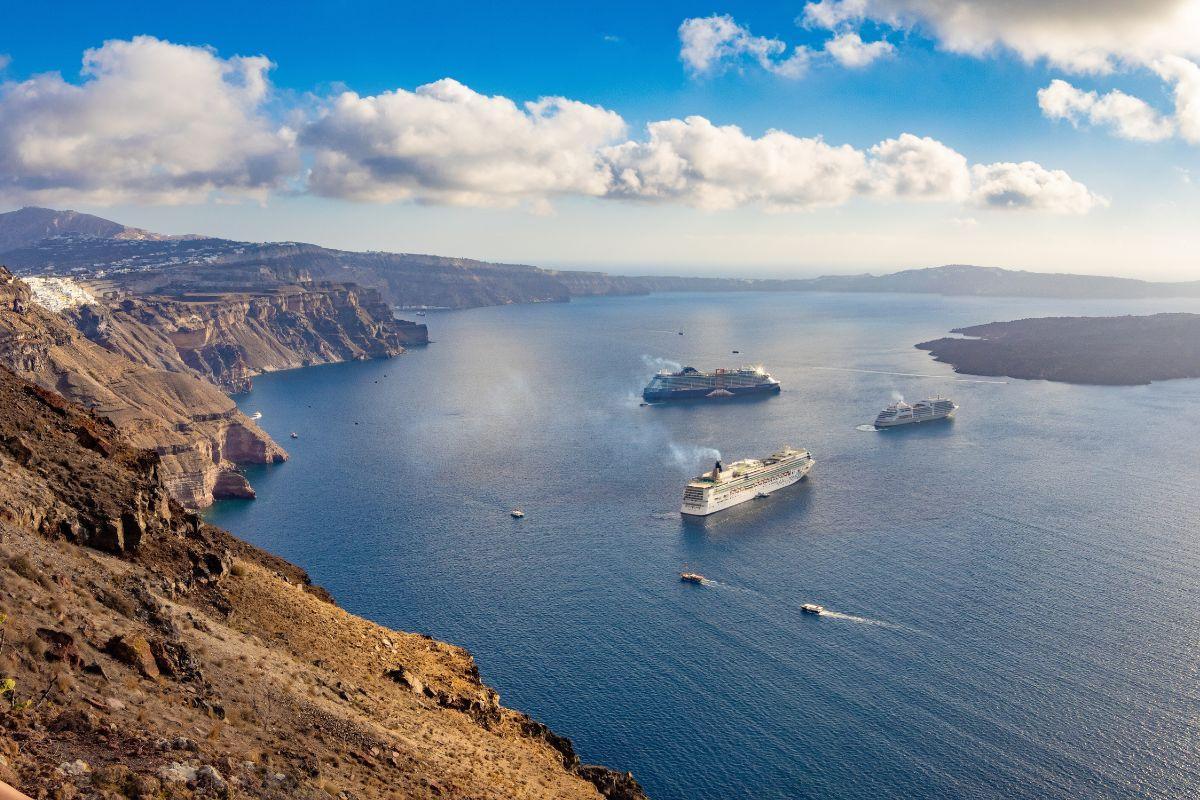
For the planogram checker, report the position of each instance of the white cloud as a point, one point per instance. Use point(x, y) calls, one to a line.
point(1081, 36)
point(694, 162)
point(1186, 77)
point(710, 43)
point(849, 50)
point(1030, 186)
point(1128, 117)
point(158, 122)
point(151, 122)
point(5, 60)
point(697, 163)
point(446, 143)
point(915, 167)
point(1077, 35)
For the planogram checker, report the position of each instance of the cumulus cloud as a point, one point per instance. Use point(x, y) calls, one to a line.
point(918, 167)
point(849, 50)
point(1185, 75)
point(1127, 116)
point(1030, 186)
point(1077, 35)
point(151, 122)
point(446, 143)
point(694, 162)
point(713, 167)
point(711, 43)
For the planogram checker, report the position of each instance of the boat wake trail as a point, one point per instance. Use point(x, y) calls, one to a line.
point(878, 623)
point(853, 618)
point(793, 611)
point(907, 374)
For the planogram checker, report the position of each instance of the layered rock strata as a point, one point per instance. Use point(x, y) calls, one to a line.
point(195, 429)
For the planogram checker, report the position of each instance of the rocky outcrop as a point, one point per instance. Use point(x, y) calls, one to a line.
point(196, 430)
point(230, 338)
point(184, 662)
point(1113, 351)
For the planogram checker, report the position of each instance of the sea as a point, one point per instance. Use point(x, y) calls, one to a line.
point(1014, 594)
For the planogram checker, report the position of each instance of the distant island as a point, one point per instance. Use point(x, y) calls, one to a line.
point(1114, 351)
point(115, 258)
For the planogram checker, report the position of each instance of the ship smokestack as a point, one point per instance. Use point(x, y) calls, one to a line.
point(717, 470)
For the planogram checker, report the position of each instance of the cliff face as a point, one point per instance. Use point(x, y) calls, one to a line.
point(145, 653)
point(195, 429)
point(229, 338)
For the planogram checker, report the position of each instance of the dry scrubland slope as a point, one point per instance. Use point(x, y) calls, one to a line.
point(152, 655)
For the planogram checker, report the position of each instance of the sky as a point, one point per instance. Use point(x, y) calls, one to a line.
point(724, 138)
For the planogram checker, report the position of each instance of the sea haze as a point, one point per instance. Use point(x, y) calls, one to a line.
point(1014, 589)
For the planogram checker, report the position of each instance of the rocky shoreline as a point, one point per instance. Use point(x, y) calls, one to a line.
point(147, 654)
point(159, 367)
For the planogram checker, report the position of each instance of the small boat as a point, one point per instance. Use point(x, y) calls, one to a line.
point(736, 351)
point(256, 415)
point(295, 435)
point(691, 577)
point(762, 495)
point(516, 513)
point(812, 608)
point(420, 313)
point(681, 333)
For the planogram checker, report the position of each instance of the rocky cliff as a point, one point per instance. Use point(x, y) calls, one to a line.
point(229, 338)
point(195, 429)
point(146, 654)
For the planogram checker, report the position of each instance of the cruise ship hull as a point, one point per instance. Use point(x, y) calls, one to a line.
point(720, 499)
point(893, 423)
point(660, 395)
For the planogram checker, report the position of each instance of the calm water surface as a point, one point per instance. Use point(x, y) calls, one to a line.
point(1016, 590)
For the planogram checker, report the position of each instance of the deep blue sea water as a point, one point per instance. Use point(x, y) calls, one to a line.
point(1017, 588)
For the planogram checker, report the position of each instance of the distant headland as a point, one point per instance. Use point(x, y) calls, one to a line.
point(116, 258)
point(1115, 351)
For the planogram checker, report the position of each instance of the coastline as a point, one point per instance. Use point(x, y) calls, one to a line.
point(241, 602)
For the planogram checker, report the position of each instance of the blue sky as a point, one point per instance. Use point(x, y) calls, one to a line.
point(1119, 201)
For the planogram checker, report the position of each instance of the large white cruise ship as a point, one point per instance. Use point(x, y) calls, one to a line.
point(902, 413)
point(726, 486)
